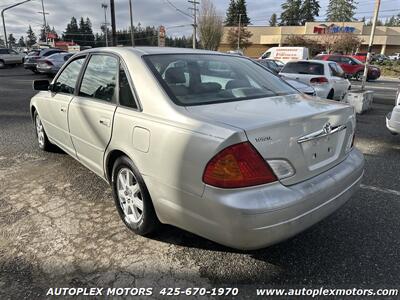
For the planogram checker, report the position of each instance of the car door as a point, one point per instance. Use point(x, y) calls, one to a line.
point(91, 113)
point(340, 83)
point(15, 58)
point(5, 56)
point(54, 108)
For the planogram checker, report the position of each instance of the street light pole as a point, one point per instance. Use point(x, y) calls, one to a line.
point(45, 23)
point(4, 22)
point(371, 42)
point(240, 25)
point(194, 9)
point(113, 29)
point(105, 22)
point(131, 17)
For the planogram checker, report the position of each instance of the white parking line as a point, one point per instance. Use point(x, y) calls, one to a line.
point(382, 190)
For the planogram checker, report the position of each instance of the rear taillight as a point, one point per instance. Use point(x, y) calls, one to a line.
point(236, 166)
point(318, 80)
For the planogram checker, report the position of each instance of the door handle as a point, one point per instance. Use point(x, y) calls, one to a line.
point(63, 109)
point(105, 122)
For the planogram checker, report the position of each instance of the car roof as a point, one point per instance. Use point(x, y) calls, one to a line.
point(140, 51)
point(311, 61)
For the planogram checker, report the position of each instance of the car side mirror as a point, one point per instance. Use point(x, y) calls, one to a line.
point(41, 85)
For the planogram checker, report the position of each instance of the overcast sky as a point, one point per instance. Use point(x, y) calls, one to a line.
point(149, 12)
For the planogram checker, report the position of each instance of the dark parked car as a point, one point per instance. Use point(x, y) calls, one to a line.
point(272, 64)
point(351, 66)
point(32, 57)
point(53, 63)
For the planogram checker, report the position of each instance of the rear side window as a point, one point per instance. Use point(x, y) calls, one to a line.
point(336, 70)
point(100, 78)
point(66, 82)
point(307, 68)
point(335, 58)
point(125, 92)
point(3, 51)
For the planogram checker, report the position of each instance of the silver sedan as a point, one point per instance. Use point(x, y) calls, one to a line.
point(208, 142)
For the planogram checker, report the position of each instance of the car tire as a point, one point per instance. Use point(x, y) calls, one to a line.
point(43, 141)
point(359, 75)
point(331, 94)
point(2, 64)
point(132, 199)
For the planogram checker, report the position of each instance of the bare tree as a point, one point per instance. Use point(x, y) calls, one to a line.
point(340, 42)
point(211, 26)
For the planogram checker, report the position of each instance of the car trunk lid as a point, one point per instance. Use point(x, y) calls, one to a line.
point(312, 135)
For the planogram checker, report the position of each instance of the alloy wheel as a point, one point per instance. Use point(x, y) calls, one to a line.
point(40, 131)
point(129, 196)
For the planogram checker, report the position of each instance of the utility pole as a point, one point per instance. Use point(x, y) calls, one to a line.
point(239, 31)
point(131, 16)
point(113, 29)
point(371, 42)
point(4, 21)
point(44, 22)
point(194, 9)
point(105, 6)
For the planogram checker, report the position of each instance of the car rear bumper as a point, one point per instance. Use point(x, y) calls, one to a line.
point(393, 120)
point(30, 66)
point(253, 218)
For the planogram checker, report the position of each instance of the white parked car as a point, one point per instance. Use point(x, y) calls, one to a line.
point(10, 57)
point(395, 56)
point(327, 77)
point(208, 142)
point(393, 118)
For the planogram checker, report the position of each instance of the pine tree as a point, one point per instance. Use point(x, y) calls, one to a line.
point(31, 37)
point(43, 33)
point(11, 40)
point(231, 14)
point(341, 10)
point(309, 10)
point(291, 13)
point(21, 42)
point(273, 20)
point(242, 12)
point(72, 31)
point(236, 9)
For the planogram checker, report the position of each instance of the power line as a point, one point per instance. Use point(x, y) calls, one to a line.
point(177, 9)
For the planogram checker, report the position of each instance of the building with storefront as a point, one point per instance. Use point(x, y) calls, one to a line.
point(386, 41)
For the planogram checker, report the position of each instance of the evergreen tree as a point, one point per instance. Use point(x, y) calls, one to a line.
point(242, 12)
point(291, 13)
point(341, 10)
point(43, 33)
point(393, 21)
point(236, 9)
point(11, 40)
point(231, 16)
point(31, 37)
point(21, 42)
point(72, 31)
point(273, 21)
point(309, 10)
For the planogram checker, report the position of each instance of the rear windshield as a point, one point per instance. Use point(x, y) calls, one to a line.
point(304, 67)
point(194, 79)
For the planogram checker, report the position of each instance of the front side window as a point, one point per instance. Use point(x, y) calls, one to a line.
point(194, 79)
point(304, 67)
point(336, 70)
point(66, 82)
point(100, 78)
point(3, 51)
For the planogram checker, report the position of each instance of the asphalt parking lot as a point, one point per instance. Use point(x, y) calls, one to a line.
point(59, 228)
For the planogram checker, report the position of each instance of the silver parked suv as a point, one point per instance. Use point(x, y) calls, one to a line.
point(209, 142)
point(10, 57)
